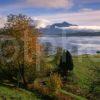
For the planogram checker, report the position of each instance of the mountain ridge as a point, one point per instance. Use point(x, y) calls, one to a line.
point(68, 29)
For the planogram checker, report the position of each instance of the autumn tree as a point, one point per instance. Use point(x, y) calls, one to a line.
point(20, 27)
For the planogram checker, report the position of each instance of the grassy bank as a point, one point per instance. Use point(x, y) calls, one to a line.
point(11, 93)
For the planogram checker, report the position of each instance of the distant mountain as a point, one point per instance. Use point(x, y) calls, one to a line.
point(63, 24)
point(67, 29)
point(55, 29)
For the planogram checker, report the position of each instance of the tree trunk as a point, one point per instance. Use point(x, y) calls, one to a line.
point(21, 69)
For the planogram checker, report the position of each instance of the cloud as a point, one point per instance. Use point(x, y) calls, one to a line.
point(80, 2)
point(49, 3)
point(90, 1)
point(83, 17)
point(37, 22)
point(86, 10)
point(80, 18)
point(2, 21)
point(40, 4)
point(83, 28)
point(40, 23)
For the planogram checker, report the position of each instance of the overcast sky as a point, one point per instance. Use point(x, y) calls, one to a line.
point(80, 12)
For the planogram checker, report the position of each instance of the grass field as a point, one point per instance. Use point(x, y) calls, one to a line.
point(87, 73)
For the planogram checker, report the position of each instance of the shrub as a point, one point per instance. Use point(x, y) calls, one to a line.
point(41, 88)
point(54, 82)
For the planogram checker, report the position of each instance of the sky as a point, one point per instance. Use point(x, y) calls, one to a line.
point(80, 12)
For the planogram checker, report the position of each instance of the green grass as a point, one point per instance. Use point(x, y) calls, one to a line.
point(87, 72)
point(16, 94)
point(84, 77)
point(84, 70)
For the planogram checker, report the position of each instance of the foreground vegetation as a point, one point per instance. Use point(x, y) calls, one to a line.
point(81, 84)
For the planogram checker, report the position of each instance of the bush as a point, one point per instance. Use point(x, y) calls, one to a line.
point(54, 82)
point(41, 88)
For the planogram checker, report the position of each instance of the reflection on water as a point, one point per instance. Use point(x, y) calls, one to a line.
point(76, 45)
